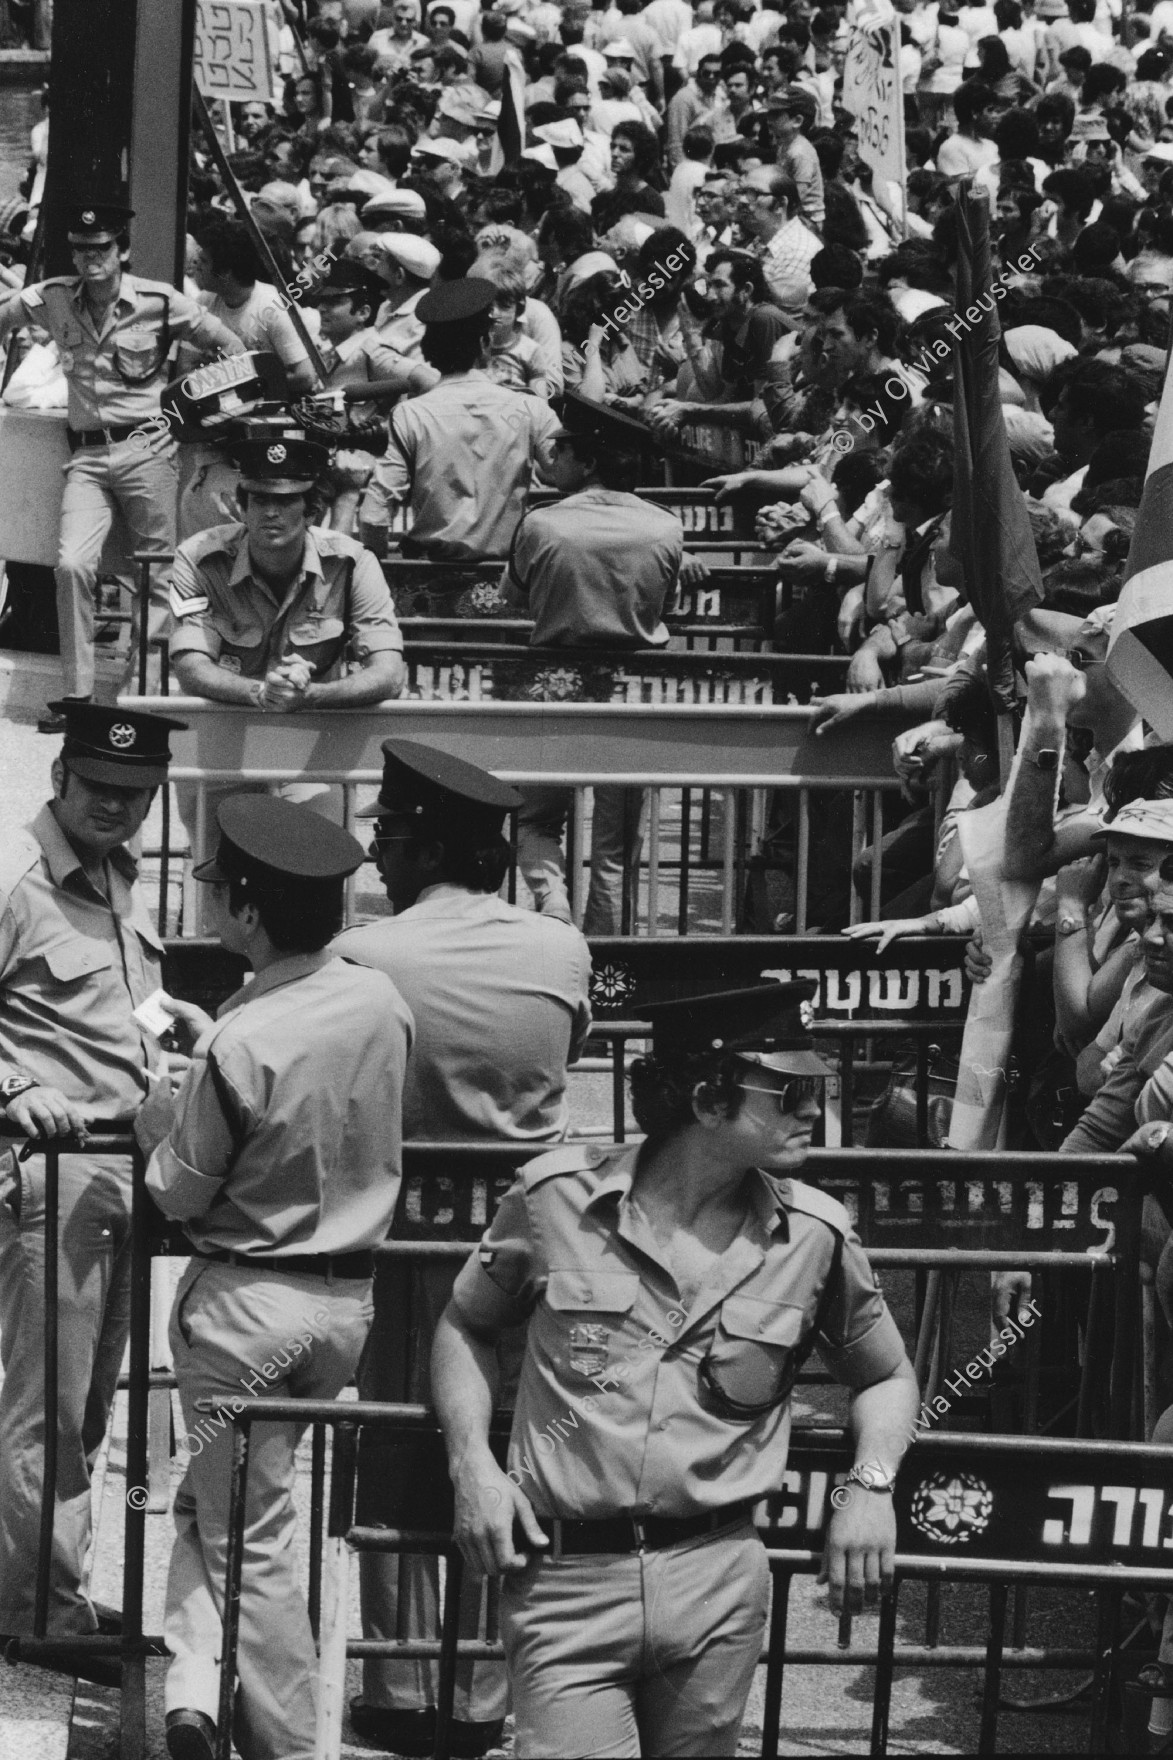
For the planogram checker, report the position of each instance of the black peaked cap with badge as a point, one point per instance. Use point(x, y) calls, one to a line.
point(768, 1024)
point(457, 302)
point(419, 782)
point(347, 277)
point(276, 845)
point(113, 745)
point(97, 221)
point(286, 465)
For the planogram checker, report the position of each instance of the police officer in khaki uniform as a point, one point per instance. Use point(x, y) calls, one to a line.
point(673, 1290)
point(268, 610)
point(115, 333)
point(282, 1157)
point(78, 954)
point(500, 1002)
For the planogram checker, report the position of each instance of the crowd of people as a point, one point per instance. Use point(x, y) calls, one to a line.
point(448, 218)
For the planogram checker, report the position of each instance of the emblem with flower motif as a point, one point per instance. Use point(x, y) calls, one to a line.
point(952, 1507)
point(611, 985)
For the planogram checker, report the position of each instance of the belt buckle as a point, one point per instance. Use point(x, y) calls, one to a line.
point(637, 1528)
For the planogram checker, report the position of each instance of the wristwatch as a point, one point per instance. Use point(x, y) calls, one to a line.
point(1046, 758)
point(831, 569)
point(1069, 925)
point(872, 1476)
point(13, 1086)
point(1157, 1141)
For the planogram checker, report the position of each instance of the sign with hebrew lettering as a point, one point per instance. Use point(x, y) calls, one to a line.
point(919, 978)
point(871, 90)
point(232, 51)
point(1015, 1209)
point(1027, 1501)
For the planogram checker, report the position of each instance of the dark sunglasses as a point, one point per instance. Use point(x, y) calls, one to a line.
point(798, 1092)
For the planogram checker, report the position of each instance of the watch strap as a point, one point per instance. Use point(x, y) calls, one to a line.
point(13, 1086)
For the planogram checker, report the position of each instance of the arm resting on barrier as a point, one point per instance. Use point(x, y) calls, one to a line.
point(381, 675)
point(45, 1112)
point(861, 1536)
point(488, 1503)
point(200, 676)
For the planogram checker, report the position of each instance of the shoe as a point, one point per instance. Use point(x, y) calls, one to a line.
point(109, 1619)
point(191, 1735)
point(414, 1732)
point(468, 1741)
point(53, 721)
point(399, 1732)
point(106, 633)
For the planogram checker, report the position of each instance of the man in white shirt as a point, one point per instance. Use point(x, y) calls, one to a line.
point(395, 47)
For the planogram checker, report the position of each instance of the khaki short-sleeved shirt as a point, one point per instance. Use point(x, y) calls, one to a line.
point(73, 967)
point(115, 374)
point(288, 1133)
point(598, 568)
point(222, 610)
point(500, 1001)
point(612, 1414)
point(464, 456)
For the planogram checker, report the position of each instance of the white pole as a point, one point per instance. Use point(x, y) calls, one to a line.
point(332, 1651)
point(903, 171)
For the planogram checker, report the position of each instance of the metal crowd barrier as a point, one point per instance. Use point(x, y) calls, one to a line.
point(131, 1648)
point(698, 510)
point(732, 594)
point(921, 1211)
point(994, 1510)
point(729, 749)
point(474, 671)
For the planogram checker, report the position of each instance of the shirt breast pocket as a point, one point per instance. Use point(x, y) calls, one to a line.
point(71, 963)
point(587, 1312)
point(754, 1357)
point(319, 640)
point(138, 353)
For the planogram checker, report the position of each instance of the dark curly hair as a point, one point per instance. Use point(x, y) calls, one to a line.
point(662, 1089)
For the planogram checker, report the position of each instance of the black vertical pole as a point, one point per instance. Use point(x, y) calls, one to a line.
point(134, 1662)
point(49, 1446)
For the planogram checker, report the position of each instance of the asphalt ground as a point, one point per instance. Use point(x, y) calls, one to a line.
point(825, 1710)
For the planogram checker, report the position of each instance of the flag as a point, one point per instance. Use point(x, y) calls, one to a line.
point(1140, 651)
point(511, 122)
point(990, 538)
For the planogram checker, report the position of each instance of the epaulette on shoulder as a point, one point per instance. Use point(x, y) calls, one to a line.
point(164, 289)
point(21, 854)
point(332, 543)
point(812, 1202)
point(570, 1158)
point(212, 539)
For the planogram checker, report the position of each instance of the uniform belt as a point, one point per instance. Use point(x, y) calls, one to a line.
point(638, 1534)
point(328, 1265)
point(101, 436)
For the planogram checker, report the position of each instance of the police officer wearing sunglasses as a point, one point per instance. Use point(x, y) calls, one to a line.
point(673, 1289)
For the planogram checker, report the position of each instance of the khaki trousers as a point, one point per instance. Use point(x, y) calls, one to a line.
point(142, 483)
point(93, 1317)
point(641, 1653)
point(230, 1325)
